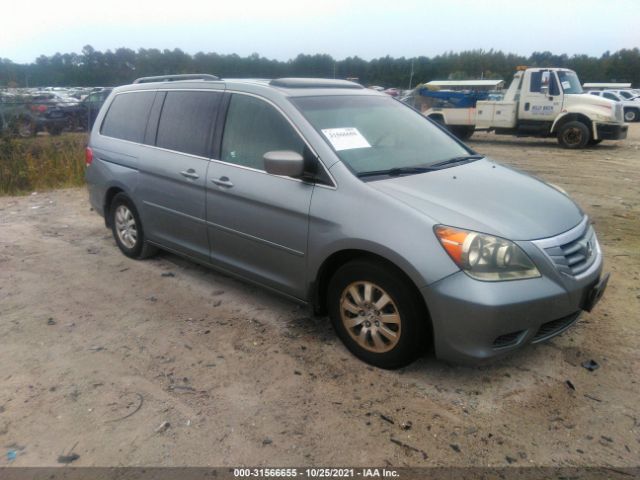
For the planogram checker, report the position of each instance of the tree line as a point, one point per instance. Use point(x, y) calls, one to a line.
point(95, 68)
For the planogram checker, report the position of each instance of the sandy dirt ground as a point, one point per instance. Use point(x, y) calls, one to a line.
point(163, 362)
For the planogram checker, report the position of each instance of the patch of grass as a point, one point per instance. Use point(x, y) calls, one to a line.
point(41, 163)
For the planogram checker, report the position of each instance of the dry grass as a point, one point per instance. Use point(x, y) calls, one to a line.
point(41, 163)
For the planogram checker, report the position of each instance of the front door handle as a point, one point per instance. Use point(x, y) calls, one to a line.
point(222, 182)
point(191, 173)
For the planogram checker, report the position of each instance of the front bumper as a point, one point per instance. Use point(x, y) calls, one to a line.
point(475, 321)
point(611, 131)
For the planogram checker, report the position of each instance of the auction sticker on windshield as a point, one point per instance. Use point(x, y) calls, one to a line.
point(345, 138)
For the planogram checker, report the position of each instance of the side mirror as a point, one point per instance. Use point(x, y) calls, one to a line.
point(284, 162)
point(544, 89)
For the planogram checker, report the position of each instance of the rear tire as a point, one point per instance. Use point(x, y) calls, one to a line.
point(574, 135)
point(25, 128)
point(463, 133)
point(55, 131)
point(127, 228)
point(377, 313)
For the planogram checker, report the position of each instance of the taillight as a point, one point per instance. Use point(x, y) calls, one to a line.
point(39, 108)
point(88, 156)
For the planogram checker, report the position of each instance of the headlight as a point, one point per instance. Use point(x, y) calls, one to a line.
point(485, 257)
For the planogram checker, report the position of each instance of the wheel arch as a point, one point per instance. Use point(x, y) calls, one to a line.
point(338, 258)
point(109, 195)
point(569, 117)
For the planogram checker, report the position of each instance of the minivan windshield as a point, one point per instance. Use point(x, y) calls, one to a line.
point(371, 133)
point(570, 82)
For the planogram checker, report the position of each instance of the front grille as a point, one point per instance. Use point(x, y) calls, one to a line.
point(619, 112)
point(507, 340)
point(576, 255)
point(554, 327)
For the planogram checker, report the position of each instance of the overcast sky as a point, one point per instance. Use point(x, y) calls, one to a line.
point(281, 29)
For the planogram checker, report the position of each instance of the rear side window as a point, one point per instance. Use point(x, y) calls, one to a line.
point(186, 122)
point(127, 116)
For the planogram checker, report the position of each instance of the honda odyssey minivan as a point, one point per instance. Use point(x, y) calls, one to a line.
point(345, 199)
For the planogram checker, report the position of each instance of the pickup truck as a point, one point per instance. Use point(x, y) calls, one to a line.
point(541, 102)
point(630, 103)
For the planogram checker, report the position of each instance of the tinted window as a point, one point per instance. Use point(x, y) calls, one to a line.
point(610, 96)
point(127, 116)
point(254, 128)
point(186, 121)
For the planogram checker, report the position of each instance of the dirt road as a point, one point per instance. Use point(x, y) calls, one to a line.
point(162, 362)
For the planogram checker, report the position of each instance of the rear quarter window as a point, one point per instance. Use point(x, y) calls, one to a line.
point(127, 116)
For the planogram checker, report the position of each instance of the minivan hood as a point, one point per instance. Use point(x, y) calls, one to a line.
point(487, 197)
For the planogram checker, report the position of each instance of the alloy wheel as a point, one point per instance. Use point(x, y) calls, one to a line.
point(126, 227)
point(370, 316)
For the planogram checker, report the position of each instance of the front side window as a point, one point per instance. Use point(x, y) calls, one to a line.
point(610, 96)
point(253, 128)
point(570, 82)
point(127, 116)
point(373, 133)
point(545, 78)
point(186, 121)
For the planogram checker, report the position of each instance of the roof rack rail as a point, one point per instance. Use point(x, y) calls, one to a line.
point(313, 83)
point(175, 78)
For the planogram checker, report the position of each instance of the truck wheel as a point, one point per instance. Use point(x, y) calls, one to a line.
point(463, 133)
point(574, 135)
point(630, 115)
point(377, 313)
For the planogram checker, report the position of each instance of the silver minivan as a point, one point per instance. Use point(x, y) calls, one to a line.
point(347, 200)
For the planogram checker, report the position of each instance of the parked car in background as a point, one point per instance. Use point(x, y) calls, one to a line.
point(26, 115)
point(631, 107)
point(627, 94)
point(92, 103)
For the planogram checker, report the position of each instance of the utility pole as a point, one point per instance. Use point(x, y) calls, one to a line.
point(411, 75)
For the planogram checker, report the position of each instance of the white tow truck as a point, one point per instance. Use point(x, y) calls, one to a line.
point(542, 102)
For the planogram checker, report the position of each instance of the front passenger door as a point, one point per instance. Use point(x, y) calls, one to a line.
point(258, 222)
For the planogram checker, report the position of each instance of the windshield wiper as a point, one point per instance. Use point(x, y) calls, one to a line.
point(462, 159)
point(394, 172)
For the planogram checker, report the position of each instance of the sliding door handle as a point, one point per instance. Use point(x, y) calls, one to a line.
point(191, 173)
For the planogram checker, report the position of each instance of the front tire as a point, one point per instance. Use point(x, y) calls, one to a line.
point(127, 228)
point(631, 115)
point(377, 313)
point(574, 135)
